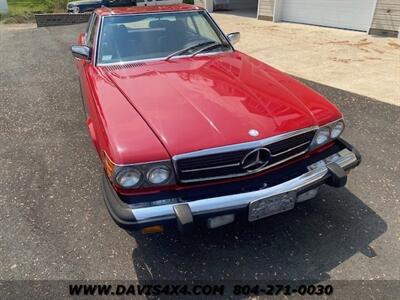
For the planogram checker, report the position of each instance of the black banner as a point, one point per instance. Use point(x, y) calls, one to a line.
point(61, 289)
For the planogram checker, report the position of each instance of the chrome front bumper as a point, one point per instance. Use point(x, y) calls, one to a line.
point(135, 218)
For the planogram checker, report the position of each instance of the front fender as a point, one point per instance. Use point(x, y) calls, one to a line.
point(116, 127)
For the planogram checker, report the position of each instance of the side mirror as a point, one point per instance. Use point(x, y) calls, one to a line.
point(234, 37)
point(82, 38)
point(81, 52)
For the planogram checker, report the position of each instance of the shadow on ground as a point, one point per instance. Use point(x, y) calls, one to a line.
point(304, 243)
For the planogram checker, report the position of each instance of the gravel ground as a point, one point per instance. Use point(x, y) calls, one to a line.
point(54, 225)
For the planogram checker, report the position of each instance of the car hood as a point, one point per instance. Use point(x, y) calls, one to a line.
point(210, 101)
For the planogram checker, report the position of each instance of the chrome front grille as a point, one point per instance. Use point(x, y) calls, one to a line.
point(228, 161)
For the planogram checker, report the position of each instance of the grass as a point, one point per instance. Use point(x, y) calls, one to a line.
point(23, 11)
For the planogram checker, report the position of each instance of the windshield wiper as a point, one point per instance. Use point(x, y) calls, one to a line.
point(209, 47)
point(188, 48)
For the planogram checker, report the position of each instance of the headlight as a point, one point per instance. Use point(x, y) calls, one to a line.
point(337, 130)
point(141, 175)
point(75, 9)
point(158, 175)
point(327, 133)
point(128, 178)
point(322, 136)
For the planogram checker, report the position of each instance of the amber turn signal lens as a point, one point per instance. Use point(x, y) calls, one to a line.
point(108, 165)
point(153, 229)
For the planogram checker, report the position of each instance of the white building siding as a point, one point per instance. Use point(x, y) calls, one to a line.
point(199, 3)
point(355, 14)
point(387, 15)
point(266, 9)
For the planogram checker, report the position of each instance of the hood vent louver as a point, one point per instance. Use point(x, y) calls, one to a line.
point(113, 68)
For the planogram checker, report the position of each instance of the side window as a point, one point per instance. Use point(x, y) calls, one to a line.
point(89, 23)
point(92, 31)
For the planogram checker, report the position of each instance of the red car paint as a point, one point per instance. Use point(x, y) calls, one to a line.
point(159, 109)
point(105, 11)
point(210, 101)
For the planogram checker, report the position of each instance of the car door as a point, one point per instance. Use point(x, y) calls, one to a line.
point(85, 66)
point(82, 41)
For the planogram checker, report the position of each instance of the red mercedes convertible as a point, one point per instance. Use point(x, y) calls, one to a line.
point(191, 131)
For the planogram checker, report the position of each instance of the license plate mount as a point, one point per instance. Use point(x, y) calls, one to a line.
point(269, 206)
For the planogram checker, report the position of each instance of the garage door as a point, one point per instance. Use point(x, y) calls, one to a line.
point(350, 14)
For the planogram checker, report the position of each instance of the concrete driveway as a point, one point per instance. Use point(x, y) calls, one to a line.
point(54, 224)
point(349, 60)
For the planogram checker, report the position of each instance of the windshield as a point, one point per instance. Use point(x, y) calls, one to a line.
point(138, 37)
